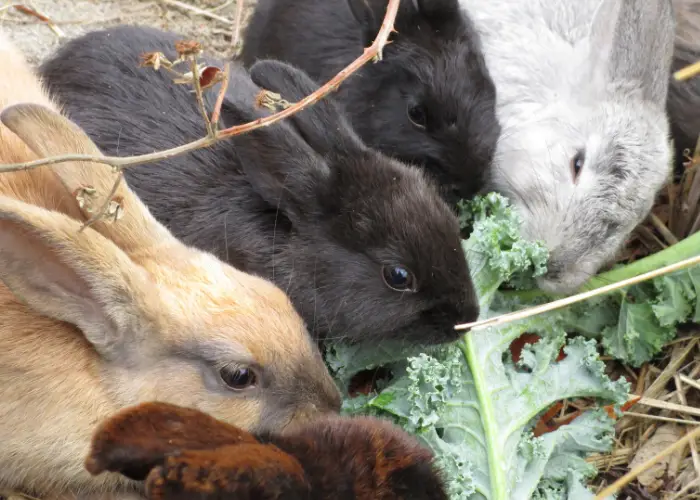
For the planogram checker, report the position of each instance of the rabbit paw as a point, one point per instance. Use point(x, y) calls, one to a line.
point(138, 438)
point(243, 472)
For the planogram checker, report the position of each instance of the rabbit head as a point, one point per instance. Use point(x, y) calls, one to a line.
point(584, 148)
point(167, 322)
point(430, 101)
point(382, 253)
point(182, 453)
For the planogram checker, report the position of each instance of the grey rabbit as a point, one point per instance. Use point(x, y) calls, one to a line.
point(581, 93)
point(429, 102)
point(364, 245)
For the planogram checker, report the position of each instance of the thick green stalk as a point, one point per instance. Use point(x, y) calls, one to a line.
point(488, 420)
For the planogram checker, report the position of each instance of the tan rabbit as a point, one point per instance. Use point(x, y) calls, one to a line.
point(121, 312)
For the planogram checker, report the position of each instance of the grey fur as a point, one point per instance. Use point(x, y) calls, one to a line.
point(579, 76)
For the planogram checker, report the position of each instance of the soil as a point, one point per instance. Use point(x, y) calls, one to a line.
point(213, 26)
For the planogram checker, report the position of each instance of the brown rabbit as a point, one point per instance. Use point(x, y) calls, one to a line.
point(119, 313)
point(184, 454)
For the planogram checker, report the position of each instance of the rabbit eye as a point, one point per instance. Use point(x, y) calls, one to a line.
point(238, 379)
point(398, 278)
point(417, 116)
point(577, 164)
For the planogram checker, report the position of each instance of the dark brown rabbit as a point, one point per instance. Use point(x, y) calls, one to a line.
point(182, 453)
point(364, 245)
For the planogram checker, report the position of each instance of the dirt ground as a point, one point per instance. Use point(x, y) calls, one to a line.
point(211, 22)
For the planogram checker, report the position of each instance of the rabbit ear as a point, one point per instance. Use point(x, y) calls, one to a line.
point(48, 133)
point(322, 125)
point(368, 16)
point(443, 16)
point(73, 276)
point(602, 37)
point(633, 40)
point(138, 438)
point(279, 165)
point(246, 472)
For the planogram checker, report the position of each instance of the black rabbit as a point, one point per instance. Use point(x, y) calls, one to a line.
point(430, 101)
point(182, 453)
point(683, 104)
point(364, 245)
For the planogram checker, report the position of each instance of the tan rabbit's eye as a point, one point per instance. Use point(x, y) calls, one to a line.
point(238, 378)
point(398, 278)
point(577, 164)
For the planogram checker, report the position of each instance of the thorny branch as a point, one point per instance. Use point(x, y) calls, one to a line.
point(373, 52)
point(202, 78)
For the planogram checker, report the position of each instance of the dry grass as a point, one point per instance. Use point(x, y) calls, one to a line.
point(668, 387)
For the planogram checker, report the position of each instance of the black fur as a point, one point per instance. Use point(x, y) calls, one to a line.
point(683, 105)
point(303, 202)
point(434, 61)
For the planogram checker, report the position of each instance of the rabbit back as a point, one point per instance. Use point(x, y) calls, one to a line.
point(359, 211)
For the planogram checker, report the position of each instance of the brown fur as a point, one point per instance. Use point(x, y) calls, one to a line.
point(264, 470)
point(333, 457)
point(120, 313)
point(143, 437)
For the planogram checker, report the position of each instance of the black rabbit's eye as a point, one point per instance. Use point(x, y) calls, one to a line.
point(577, 164)
point(417, 116)
point(398, 278)
point(238, 379)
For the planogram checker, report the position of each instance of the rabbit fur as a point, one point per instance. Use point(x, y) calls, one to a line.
point(183, 453)
point(430, 101)
point(584, 148)
point(120, 313)
point(302, 202)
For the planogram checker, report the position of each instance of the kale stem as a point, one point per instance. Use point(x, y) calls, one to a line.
point(488, 419)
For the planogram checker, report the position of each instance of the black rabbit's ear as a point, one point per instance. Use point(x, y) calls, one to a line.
point(137, 439)
point(443, 16)
point(245, 472)
point(322, 125)
point(279, 165)
point(369, 17)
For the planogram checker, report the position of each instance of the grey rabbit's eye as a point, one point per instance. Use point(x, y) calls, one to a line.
point(577, 164)
point(417, 116)
point(238, 379)
point(398, 278)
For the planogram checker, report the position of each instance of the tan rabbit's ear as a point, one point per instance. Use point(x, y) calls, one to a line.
point(48, 133)
point(77, 277)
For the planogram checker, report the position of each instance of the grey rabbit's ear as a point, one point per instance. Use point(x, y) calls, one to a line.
point(633, 40)
point(322, 125)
